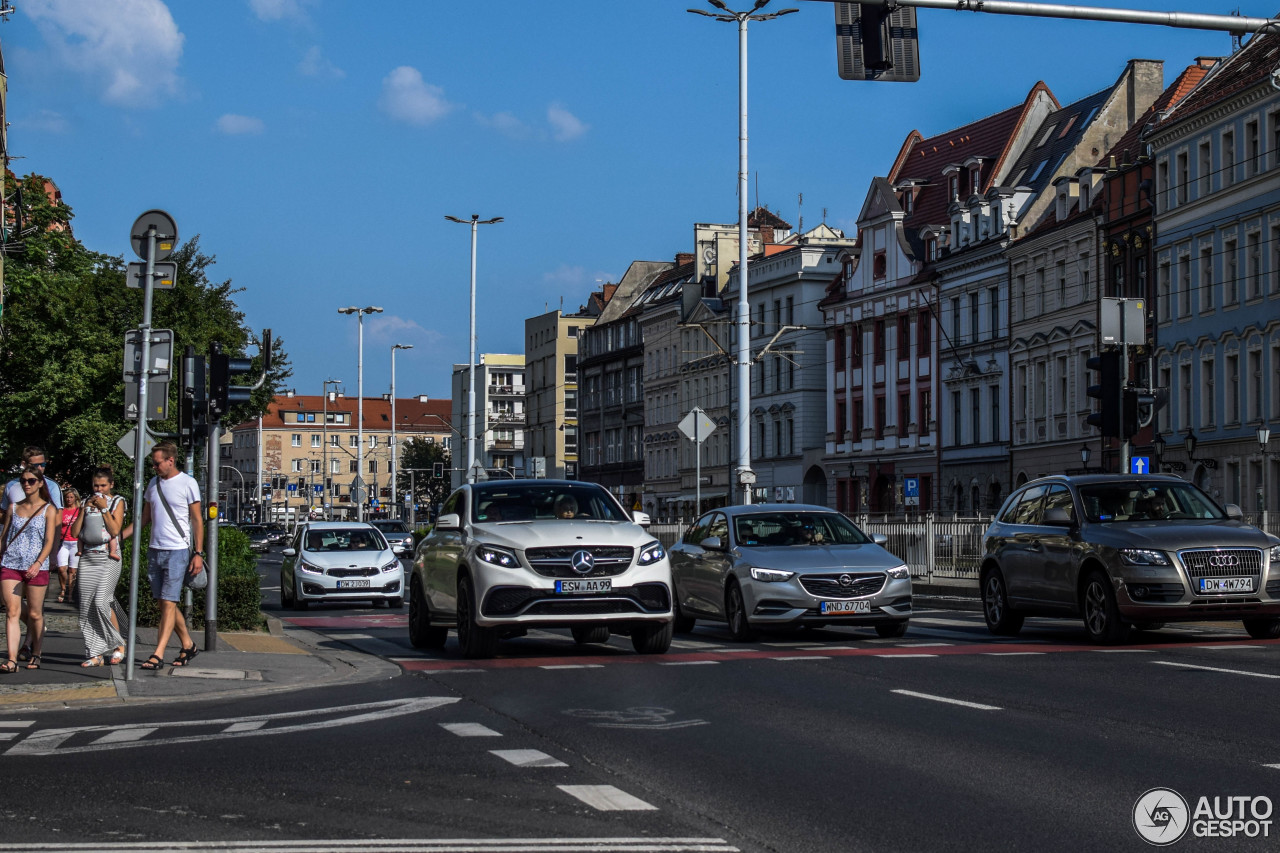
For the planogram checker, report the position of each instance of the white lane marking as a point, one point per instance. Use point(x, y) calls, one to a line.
point(933, 620)
point(16, 724)
point(572, 666)
point(247, 726)
point(825, 648)
point(9, 735)
point(802, 657)
point(352, 636)
point(693, 644)
point(689, 663)
point(921, 645)
point(48, 741)
point(528, 758)
point(443, 845)
point(787, 645)
point(1009, 654)
point(469, 730)
point(607, 798)
point(1216, 669)
point(979, 706)
point(1124, 651)
point(1272, 766)
point(1216, 648)
point(886, 655)
point(126, 735)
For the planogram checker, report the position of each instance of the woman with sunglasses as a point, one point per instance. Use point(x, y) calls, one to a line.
point(97, 529)
point(28, 534)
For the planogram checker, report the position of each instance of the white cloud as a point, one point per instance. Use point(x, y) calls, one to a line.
point(44, 121)
point(506, 124)
point(408, 98)
point(564, 124)
point(130, 48)
point(275, 10)
point(234, 125)
point(389, 329)
point(315, 64)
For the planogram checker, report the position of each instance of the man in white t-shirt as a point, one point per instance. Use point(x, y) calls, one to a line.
point(175, 550)
point(13, 489)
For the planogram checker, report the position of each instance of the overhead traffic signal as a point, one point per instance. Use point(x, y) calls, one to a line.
point(1107, 392)
point(1140, 407)
point(877, 41)
point(193, 413)
point(222, 394)
point(437, 470)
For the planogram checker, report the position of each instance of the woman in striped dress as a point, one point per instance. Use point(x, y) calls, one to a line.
point(102, 519)
point(29, 527)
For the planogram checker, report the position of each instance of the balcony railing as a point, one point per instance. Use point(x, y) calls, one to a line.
point(503, 416)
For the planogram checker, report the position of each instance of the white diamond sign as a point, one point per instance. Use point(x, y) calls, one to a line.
point(696, 426)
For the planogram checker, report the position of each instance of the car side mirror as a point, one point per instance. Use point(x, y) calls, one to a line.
point(449, 521)
point(1234, 512)
point(1056, 516)
point(880, 539)
point(711, 543)
point(641, 518)
point(290, 552)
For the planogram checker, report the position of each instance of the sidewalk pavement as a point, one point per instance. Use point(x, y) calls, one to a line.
point(243, 664)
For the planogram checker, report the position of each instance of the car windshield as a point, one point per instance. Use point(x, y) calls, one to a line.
point(1146, 501)
point(498, 502)
point(391, 526)
point(344, 539)
point(778, 529)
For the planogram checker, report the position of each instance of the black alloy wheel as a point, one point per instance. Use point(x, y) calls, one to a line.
point(1001, 618)
point(735, 610)
point(476, 642)
point(1101, 614)
point(422, 634)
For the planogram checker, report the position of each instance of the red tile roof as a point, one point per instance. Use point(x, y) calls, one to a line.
point(1131, 141)
point(1236, 73)
point(412, 414)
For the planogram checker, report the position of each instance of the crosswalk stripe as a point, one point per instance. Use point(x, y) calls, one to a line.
point(247, 726)
point(469, 730)
point(528, 758)
point(606, 798)
point(125, 735)
point(16, 724)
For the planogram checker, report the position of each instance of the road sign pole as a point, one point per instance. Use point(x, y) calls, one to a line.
point(1124, 383)
point(144, 382)
point(697, 454)
point(211, 541)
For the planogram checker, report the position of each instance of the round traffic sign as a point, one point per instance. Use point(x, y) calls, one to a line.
point(166, 234)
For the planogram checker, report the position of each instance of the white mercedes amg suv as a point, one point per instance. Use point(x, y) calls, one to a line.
point(514, 554)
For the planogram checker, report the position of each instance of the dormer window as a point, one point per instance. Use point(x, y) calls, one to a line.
point(975, 178)
point(908, 201)
point(931, 248)
point(879, 265)
point(953, 185)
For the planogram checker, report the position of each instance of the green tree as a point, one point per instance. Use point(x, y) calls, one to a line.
point(66, 311)
point(422, 456)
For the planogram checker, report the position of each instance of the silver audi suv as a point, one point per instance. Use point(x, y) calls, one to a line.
point(1126, 552)
point(508, 555)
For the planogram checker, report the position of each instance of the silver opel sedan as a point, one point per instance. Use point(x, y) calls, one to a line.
point(786, 565)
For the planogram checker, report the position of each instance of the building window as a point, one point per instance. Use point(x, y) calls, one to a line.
point(1184, 286)
point(904, 337)
point(1230, 273)
point(353, 440)
point(975, 413)
point(1231, 409)
point(957, 423)
point(1205, 183)
point(1062, 284)
point(1255, 385)
point(925, 413)
point(1206, 281)
point(297, 464)
point(973, 317)
point(1162, 292)
point(995, 412)
point(857, 419)
point(879, 342)
point(315, 440)
point(1253, 265)
point(904, 413)
point(1206, 393)
point(993, 310)
point(1252, 148)
point(1183, 177)
point(353, 467)
point(1228, 158)
point(880, 416)
point(955, 321)
point(1184, 392)
point(296, 439)
point(879, 265)
point(1162, 185)
point(924, 336)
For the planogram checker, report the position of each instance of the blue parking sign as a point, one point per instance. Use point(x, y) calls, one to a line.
point(1140, 465)
point(911, 486)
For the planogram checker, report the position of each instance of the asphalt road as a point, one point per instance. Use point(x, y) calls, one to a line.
point(832, 740)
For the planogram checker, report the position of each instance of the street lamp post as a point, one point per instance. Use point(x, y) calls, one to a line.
point(474, 221)
point(360, 312)
point(746, 477)
point(395, 444)
point(324, 474)
point(240, 493)
point(1085, 453)
point(1157, 445)
point(1264, 441)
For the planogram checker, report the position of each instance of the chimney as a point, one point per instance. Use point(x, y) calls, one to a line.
point(766, 237)
point(423, 398)
point(683, 258)
point(608, 292)
point(1206, 61)
point(289, 392)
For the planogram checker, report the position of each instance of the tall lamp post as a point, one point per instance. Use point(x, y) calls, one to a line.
point(360, 312)
point(1264, 440)
point(746, 477)
point(324, 476)
point(474, 221)
point(395, 444)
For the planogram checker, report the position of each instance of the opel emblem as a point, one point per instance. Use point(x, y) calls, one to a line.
point(582, 562)
point(845, 580)
point(1223, 561)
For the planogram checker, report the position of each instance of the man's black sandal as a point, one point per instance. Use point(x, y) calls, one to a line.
point(152, 663)
point(184, 657)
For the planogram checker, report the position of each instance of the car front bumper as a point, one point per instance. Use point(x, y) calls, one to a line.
point(521, 597)
point(790, 604)
point(312, 587)
point(1142, 600)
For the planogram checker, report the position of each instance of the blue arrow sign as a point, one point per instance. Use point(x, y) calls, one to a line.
point(1140, 465)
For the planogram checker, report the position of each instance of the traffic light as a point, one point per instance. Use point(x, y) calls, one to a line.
point(437, 470)
point(875, 41)
point(1140, 407)
point(302, 484)
point(222, 394)
point(193, 414)
point(1106, 392)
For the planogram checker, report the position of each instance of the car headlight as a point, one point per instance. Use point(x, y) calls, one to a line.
point(651, 553)
point(1275, 556)
point(1143, 557)
point(393, 566)
point(899, 573)
point(771, 575)
point(498, 556)
point(309, 569)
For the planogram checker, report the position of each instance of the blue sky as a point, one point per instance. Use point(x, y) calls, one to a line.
point(316, 145)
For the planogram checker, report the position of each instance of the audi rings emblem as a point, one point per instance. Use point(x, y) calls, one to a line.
point(582, 562)
point(1224, 561)
point(845, 580)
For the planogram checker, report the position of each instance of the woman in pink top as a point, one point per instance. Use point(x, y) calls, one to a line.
point(68, 556)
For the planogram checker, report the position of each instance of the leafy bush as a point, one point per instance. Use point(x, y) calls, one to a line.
point(239, 595)
point(422, 533)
